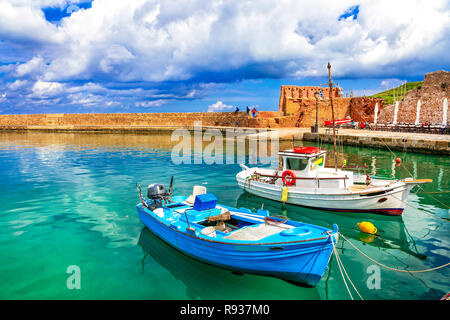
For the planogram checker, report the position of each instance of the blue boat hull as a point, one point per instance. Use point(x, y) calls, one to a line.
point(303, 262)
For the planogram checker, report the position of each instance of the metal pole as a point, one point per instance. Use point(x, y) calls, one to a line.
point(332, 115)
point(316, 129)
point(187, 220)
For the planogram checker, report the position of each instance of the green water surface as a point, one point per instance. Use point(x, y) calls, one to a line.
point(69, 199)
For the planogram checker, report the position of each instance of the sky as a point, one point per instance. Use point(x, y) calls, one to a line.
point(109, 56)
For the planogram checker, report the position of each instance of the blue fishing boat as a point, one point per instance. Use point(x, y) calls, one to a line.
point(237, 239)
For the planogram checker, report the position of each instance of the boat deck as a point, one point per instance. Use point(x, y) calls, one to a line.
point(256, 232)
point(244, 225)
point(360, 187)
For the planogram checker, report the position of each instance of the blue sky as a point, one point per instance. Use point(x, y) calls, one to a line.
point(102, 56)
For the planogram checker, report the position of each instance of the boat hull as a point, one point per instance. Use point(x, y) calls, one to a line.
point(390, 201)
point(303, 262)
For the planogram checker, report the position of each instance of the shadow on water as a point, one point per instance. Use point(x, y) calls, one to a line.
point(205, 281)
point(395, 243)
point(392, 230)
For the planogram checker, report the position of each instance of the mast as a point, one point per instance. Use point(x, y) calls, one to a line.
point(332, 115)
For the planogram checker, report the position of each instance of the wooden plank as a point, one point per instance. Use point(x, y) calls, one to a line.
point(417, 181)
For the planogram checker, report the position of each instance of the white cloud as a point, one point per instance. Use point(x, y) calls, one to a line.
point(25, 21)
point(34, 65)
point(17, 84)
point(219, 106)
point(149, 40)
point(44, 89)
point(115, 56)
point(154, 103)
point(200, 44)
point(390, 83)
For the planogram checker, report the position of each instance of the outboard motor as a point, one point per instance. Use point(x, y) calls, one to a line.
point(156, 191)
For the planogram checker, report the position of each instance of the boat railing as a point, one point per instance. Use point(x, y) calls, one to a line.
point(302, 178)
point(306, 178)
point(349, 166)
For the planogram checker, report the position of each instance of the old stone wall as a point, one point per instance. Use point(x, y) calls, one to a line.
point(362, 109)
point(291, 96)
point(266, 119)
point(305, 115)
point(299, 104)
point(435, 88)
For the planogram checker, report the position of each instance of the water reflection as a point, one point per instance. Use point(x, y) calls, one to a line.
point(398, 246)
point(205, 281)
point(85, 140)
point(84, 186)
point(381, 163)
point(392, 230)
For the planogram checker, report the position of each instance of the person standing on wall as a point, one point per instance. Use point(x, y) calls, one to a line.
point(254, 112)
point(248, 111)
point(236, 111)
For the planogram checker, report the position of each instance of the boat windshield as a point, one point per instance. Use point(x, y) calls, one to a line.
point(317, 162)
point(296, 164)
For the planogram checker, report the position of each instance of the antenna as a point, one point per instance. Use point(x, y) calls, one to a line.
point(171, 186)
point(330, 83)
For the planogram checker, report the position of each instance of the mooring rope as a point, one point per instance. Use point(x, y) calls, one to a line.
point(341, 264)
point(340, 269)
point(345, 275)
point(435, 191)
point(390, 268)
point(430, 214)
point(144, 203)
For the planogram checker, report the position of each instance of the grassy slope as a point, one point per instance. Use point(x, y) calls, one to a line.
point(388, 95)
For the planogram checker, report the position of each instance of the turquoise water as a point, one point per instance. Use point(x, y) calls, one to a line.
point(69, 199)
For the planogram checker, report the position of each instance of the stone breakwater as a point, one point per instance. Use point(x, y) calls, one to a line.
point(133, 121)
point(160, 124)
point(293, 113)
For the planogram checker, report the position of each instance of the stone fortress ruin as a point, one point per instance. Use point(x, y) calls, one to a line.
point(427, 104)
point(299, 103)
point(297, 108)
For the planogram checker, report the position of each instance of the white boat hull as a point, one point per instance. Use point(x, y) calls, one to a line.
point(390, 199)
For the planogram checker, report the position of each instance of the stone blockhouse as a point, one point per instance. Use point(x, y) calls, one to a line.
point(432, 94)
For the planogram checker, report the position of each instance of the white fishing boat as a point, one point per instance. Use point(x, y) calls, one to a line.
point(302, 179)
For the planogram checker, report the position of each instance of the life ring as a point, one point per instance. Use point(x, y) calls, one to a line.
point(289, 181)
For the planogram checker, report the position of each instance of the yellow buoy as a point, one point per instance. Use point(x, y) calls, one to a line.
point(284, 194)
point(367, 227)
point(367, 238)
